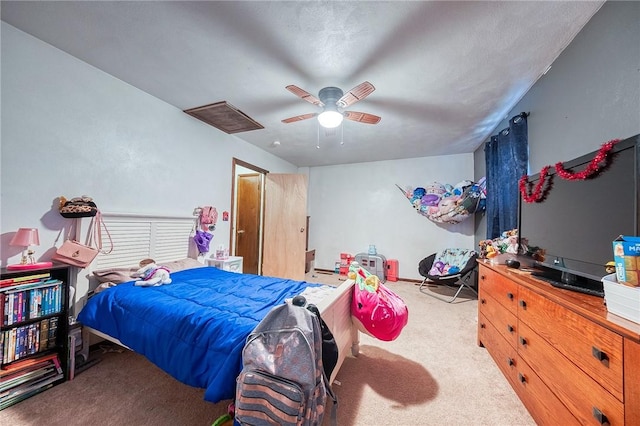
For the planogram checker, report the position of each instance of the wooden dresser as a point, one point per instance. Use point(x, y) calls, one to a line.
point(568, 359)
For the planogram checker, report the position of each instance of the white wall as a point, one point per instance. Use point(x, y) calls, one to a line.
point(70, 129)
point(355, 205)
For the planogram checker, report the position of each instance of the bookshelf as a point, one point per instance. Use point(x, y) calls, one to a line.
point(34, 328)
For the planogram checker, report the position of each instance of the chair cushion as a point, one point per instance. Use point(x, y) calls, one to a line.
point(450, 261)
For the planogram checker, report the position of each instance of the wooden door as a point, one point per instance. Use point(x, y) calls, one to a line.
point(248, 221)
point(285, 217)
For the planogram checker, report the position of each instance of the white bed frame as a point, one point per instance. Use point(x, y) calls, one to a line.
point(167, 238)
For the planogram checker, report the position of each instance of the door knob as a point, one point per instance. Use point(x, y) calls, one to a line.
point(240, 231)
point(301, 229)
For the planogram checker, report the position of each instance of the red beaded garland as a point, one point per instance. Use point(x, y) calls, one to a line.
point(537, 194)
point(592, 168)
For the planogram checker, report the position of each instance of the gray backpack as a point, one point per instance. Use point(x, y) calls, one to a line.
point(282, 380)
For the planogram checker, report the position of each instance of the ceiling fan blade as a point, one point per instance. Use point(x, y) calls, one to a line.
point(361, 117)
point(356, 94)
point(299, 118)
point(302, 94)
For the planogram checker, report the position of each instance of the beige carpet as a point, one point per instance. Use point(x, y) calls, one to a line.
point(433, 374)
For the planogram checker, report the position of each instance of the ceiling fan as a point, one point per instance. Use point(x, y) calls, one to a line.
point(333, 100)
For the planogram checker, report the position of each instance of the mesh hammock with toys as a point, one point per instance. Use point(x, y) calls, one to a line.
point(443, 203)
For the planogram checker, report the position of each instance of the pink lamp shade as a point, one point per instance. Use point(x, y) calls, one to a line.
point(26, 237)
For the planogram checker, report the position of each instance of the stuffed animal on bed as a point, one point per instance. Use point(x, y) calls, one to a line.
point(151, 275)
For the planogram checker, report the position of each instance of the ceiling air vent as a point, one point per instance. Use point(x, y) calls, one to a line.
point(224, 116)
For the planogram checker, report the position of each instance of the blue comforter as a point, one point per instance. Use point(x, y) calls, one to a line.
point(195, 327)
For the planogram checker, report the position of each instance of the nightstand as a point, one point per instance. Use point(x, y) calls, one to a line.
point(231, 264)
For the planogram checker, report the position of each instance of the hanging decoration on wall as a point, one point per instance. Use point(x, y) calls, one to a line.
point(443, 203)
point(599, 162)
point(203, 227)
point(538, 193)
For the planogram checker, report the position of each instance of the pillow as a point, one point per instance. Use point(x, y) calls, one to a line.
point(122, 275)
point(114, 275)
point(182, 264)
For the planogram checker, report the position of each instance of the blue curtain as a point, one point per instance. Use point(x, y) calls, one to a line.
point(507, 156)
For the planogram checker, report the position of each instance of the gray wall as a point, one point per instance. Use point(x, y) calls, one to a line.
point(590, 96)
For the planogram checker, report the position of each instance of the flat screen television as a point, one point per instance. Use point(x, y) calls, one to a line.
point(579, 219)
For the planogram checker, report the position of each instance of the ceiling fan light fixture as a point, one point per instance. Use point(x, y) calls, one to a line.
point(330, 119)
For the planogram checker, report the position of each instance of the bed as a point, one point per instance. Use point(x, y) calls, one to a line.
point(194, 328)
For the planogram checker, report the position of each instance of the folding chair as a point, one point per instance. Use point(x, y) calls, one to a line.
point(451, 267)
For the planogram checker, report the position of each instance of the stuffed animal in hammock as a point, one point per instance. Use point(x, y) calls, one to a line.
point(151, 275)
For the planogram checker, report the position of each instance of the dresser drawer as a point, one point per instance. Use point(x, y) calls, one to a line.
point(593, 348)
point(505, 322)
point(231, 264)
point(574, 388)
point(543, 405)
point(500, 350)
point(499, 287)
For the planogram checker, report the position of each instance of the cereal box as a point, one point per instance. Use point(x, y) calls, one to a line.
point(626, 254)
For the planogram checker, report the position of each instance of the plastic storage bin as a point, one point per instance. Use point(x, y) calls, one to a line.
point(622, 300)
point(345, 261)
point(392, 270)
point(376, 264)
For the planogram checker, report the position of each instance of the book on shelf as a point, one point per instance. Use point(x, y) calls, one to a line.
point(5, 282)
point(29, 303)
point(27, 363)
point(30, 375)
point(44, 334)
point(14, 400)
point(53, 332)
point(27, 339)
point(30, 386)
point(16, 287)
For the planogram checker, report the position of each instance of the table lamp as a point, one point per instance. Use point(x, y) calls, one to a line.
point(27, 237)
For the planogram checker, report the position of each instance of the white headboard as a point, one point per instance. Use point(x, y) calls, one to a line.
point(136, 237)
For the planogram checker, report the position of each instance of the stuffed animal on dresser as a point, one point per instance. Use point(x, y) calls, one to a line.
point(151, 275)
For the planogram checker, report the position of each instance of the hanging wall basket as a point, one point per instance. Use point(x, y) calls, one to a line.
point(443, 203)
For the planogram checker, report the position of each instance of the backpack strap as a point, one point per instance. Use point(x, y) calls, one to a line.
point(330, 357)
point(334, 397)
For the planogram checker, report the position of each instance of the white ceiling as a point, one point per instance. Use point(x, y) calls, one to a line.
point(446, 73)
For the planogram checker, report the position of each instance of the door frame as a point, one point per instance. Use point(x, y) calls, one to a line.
point(232, 241)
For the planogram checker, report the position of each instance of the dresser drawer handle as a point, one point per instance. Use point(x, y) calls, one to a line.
point(483, 301)
point(482, 325)
point(523, 304)
point(600, 356)
point(510, 296)
point(522, 378)
point(600, 417)
point(523, 341)
point(510, 328)
point(483, 277)
point(510, 361)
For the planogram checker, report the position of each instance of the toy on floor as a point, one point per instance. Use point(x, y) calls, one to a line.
point(375, 309)
point(151, 275)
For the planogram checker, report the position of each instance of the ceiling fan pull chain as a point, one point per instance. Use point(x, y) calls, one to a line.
point(342, 134)
point(318, 143)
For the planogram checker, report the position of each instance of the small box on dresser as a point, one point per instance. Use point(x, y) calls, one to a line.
point(622, 300)
point(231, 263)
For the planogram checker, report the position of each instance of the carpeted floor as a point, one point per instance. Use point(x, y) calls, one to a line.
point(433, 374)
